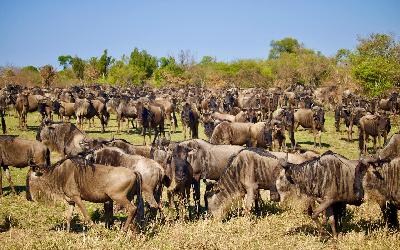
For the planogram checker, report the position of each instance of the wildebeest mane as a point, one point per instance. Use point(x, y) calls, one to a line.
point(8, 137)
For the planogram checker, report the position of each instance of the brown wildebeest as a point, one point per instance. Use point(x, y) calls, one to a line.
point(74, 181)
point(151, 117)
point(389, 104)
point(20, 153)
point(382, 185)
point(64, 138)
point(234, 133)
point(84, 108)
point(375, 126)
point(180, 173)
point(126, 109)
point(22, 106)
point(66, 110)
point(190, 119)
point(261, 135)
point(313, 119)
point(169, 113)
point(4, 101)
point(330, 179)
point(129, 148)
point(152, 173)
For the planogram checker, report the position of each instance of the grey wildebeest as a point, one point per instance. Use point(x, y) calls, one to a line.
point(190, 119)
point(125, 108)
point(330, 179)
point(74, 180)
point(382, 185)
point(246, 173)
point(64, 138)
point(152, 173)
point(207, 161)
point(20, 153)
point(391, 150)
point(4, 101)
point(313, 119)
point(22, 106)
point(375, 126)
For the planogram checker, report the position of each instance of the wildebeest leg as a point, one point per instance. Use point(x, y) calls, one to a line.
point(78, 201)
point(108, 213)
point(149, 197)
point(389, 211)
point(8, 175)
point(196, 195)
point(69, 214)
point(3, 123)
point(184, 132)
point(331, 219)
point(131, 209)
point(251, 192)
point(322, 207)
point(374, 140)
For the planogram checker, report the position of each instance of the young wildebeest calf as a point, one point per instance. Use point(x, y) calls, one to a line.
point(73, 180)
point(329, 179)
point(21, 153)
point(152, 173)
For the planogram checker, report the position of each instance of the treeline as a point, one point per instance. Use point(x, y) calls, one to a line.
point(373, 67)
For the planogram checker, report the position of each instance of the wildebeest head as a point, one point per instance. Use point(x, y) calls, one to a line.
point(372, 180)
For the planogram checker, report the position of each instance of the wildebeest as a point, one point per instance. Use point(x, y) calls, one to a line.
point(190, 119)
point(390, 104)
point(246, 173)
point(234, 133)
point(375, 126)
point(4, 100)
point(151, 117)
point(84, 108)
point(124, 109)
point(313, 119)
point(74, 180)
point(152, 173)
point(22, 106)
point(20, 153)
point(180, 173)
point(64, 138)
point(330, 179)
point(382, 185)
point(391, 150)
point(128, 148)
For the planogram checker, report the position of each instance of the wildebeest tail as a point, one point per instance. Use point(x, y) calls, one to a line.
point(139, 199)
point(361, 141)
point(3, 122)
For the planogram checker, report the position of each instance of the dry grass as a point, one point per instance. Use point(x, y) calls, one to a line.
point(30, 225)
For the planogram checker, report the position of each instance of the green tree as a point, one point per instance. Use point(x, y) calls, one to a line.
point(104, 63)
point(376, 63)
point(286, 45)
point(78, 66)
point(65, 61)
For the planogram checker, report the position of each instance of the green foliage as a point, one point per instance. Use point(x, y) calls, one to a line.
point(143, 62)
point(376, 63)
point(30, 69)
point(65, 61)
point(78, 66)
point(286, 45)
point(104, 63)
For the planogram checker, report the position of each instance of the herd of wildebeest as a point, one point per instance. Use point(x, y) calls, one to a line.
point(246, 149)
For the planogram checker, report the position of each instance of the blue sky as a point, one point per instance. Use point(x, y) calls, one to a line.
point(37, 32)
